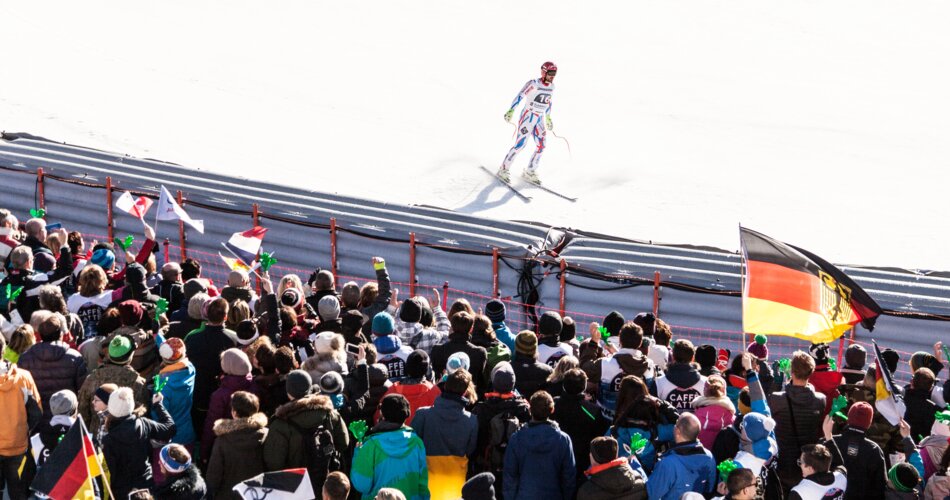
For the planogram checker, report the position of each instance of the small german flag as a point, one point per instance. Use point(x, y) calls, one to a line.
point(792, 292)
point(71, 469)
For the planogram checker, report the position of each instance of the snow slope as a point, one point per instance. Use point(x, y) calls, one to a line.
point(821, 123)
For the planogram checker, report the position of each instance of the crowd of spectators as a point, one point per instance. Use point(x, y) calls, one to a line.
point(189, 389)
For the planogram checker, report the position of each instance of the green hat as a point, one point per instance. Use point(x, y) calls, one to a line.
point(120, 349)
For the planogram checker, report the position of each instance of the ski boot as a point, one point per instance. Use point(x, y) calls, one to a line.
point(504, 174)
point(531, 176)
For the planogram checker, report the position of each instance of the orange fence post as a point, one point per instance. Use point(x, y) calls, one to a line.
point(494, 272)
point(181, 228)
point(445, 295)
point(333, 247)
point(563, 285)
point(656, 293)
point(40, 188)
point(412, 264)
point(110, 223)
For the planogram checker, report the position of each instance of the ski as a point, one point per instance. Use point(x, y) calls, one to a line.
point(555, 193)
point(507, 184)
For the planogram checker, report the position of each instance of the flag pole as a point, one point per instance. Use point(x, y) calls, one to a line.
point(102, 468)
point(252, 268)
point(742, 278)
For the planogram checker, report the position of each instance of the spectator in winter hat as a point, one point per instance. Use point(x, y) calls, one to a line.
point(391, 455)
point(479, 487)
point(236, 376)
point(284, 445)
point(182, 478)
point(136, 287)
point(450, 434)
point(416, 387)
point(190, 288)
point(411, 328)
point(531, 374)
point(194, 308)
point(328, 309)
point(205, 346)
point(127, 446)
point(115, 369)
point(177, 374)
point(496, 312)
point(861, 456)
point(392, 352)
point(610, 476)
point(550, 347)
point(855, 362)
point(146, 359)
point(706, 357)
point(64, 408)
point(331, 385)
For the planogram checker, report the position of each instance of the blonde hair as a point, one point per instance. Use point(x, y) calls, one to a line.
point(715, 387)
point(564, 365)
point(22, 339)
point(92, 280)
point(54, 243)
point(368, 294)
point(289, 281)
point(238, 312)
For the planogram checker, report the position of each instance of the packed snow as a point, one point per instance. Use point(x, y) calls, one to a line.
point(823, 124)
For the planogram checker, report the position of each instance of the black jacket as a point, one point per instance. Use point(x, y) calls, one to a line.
point(204, 350)
point(485, 410)
point(530, 374)
point(920, 411)
point(185, 486)
point(54, 367)
point(809, 412)
point(128, 449)
point(616, 481)
point(583, 421)
point(172, 291)
point(865, 464)
point(459, 342)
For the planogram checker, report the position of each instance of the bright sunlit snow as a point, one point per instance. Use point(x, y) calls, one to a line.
point(820, 123)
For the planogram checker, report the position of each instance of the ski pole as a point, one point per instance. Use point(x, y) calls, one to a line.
point(565, 142)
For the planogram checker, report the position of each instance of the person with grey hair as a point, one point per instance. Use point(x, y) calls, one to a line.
point(322, 284)
point(36, 236)
point(239, 288)
point(687, 466)
point(9, 234)
point(23, 275)
point(170, 287)
point(53, 364)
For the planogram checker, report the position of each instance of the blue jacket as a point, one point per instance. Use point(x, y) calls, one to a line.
point(685, 467)
point(647, 457)
point(503, 333)
point(446, 428)
point(178, 391)
point(539, 464)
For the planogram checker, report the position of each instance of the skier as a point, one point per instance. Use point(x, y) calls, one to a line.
point(537, 95)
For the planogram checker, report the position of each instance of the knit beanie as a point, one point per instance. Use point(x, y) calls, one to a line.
point(246, 332)
point(757, 427)
point(329, 308)
point(550, 325)
point(327, 342)
point(479, 487)
point(860, 415)
point(173, 466)
point(352, 322)
point(417, 364)
point(456, 361)
point(706, 355)
point(903, 477)
point(172, 350)
point(614, 321)
point(394, 408)
point(526, 344)
point(569, 330)
point(104, 392)
point(121, 402)
point(121, 348)
point(855, 357)
point(923, 359)
point(891, 359)
point(193, 287)
point(130, 312)
point(383, 324)
point(758, 348)
point(495, 310)
point(103, 258)
point(235, 362)
point(819, 351)
point(298, 384)
point(410, 311)
point(331, 383)
point(135, 274)
point(503, 378)
point(292, 298)
point(63, 403)
point(604, 450)
point(378, 375)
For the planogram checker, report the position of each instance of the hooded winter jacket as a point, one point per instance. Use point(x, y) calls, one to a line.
point(185, 486)
point(863, 459)
point(539, 464)
point(238, 453)
point(605, 376)
point(459, 342)
point(715, 414)
point(613, 480)
point(809, 412)
point(530, 375)
point(449, 434)
point(220, 406)
point(120, 375)
point(179, 380)
point(284, 446)
point(54, 367)
point(683, 468)
point(420, 394)
point(128, 448)
point(681, 384)
point(582, 420)
point(14, 431)
point(391, 456)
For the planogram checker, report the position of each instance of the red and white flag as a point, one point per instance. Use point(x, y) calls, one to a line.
point(137, 207)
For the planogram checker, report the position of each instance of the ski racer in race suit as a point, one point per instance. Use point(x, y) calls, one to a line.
point(537, 96)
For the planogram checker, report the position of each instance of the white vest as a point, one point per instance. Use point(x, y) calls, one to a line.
point(810, 490)
point(680, 397)
point(609, 386)
point(551, 355)
point(396, 362)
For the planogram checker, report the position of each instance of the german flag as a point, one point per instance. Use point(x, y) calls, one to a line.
point(71, 469)
point(792, 292)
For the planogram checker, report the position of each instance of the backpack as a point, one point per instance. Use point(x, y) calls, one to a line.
point(320, 453)
point(500, 429)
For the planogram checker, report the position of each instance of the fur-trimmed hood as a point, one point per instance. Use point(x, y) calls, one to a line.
point(231, 425)
point(309, 403)
point(723, 402)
